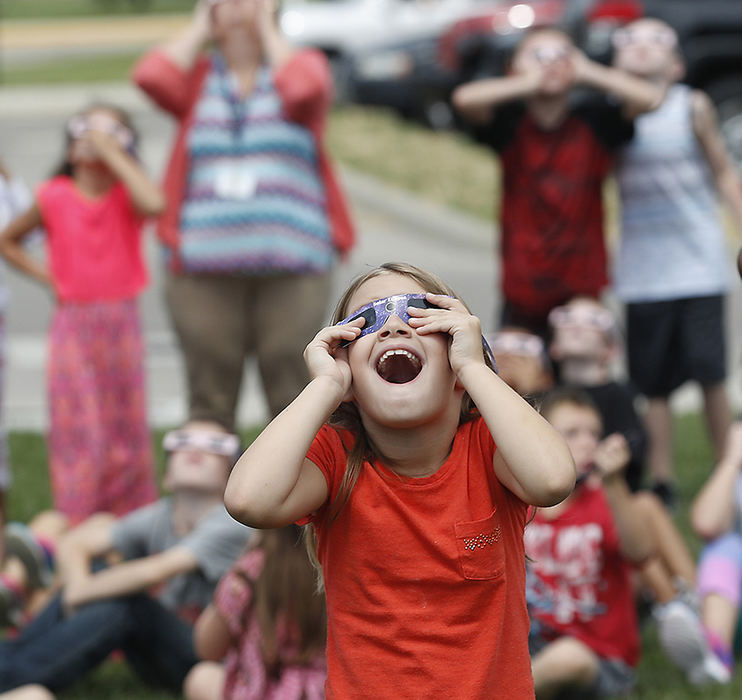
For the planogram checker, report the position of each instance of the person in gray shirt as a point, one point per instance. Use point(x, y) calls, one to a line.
point(162, 563)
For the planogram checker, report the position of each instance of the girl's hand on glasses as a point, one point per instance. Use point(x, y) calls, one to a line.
point(325, 357)
point(101, 142)
point(452, 318)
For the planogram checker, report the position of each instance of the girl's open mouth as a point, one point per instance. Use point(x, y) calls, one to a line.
point(398, 366)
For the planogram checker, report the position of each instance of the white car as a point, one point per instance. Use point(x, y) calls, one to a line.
point(341, 28)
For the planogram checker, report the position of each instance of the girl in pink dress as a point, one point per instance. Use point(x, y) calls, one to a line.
point(100, 457)
point(268, 623)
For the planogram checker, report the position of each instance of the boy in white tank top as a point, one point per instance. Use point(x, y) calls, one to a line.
point(672, 265)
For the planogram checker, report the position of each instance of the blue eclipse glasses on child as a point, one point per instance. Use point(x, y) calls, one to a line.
point(377, 313)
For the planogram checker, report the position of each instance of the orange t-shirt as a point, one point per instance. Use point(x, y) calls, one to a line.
point(425, 578)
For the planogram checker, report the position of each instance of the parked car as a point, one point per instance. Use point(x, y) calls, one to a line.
point(417, 77)
point(340, 28)
point(710, 34)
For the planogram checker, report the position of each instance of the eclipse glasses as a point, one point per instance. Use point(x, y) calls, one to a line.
point(224, 444)
point(81, 124)
point(377, 313)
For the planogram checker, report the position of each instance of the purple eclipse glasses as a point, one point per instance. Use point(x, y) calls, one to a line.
point(377, 313)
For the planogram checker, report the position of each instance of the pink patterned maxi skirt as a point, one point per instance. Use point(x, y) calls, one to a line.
point(100, 454)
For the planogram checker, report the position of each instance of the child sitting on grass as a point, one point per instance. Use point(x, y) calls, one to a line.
point(522, 361)
point(268, 623)
point(28, 566)
point(586, 346)
point(584, 632)
point(174, 551)
point(716, 515)
point(586, 343)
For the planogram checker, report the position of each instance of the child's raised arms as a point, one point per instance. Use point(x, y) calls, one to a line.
point(713, 511)
point(532, 459)
point(145, 194)
point(273, 484)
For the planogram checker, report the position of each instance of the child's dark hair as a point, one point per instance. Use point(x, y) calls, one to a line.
point(571, 395)
point(65, 167)
point(286, 599)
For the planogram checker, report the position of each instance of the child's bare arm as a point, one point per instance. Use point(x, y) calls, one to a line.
point(273, 484)
point(186, 46)
point(477, 100)
point(11, 248)
point(637, 95)
point(532, 459)
point(611, 459)
point(145, 193)
point(135, 576)
point(723, 168)
point(713, 509)
point(78, 547)
point(211, 635)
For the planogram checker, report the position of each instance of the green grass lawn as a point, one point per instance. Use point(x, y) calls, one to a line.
point(45, 9)
point(81, 69)
point(658, 679)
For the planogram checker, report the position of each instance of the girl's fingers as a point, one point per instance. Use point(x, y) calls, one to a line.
point(331, 335)
point(446, 302)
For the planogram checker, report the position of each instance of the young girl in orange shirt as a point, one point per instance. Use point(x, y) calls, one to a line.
point(415, 465)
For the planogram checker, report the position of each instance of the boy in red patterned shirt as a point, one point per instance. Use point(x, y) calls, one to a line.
point(555, 153)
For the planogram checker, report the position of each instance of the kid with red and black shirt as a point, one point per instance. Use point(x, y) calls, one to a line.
point(555, 153)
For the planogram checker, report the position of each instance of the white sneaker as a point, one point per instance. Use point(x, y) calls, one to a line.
point(683, 641)
point(711, 670)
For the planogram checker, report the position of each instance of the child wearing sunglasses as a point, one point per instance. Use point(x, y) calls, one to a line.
point(673, 268)
point(93, 209)
point(586, 345)
point(522, 361)
point(415, 465)
point(164, 561)
point(556, 120)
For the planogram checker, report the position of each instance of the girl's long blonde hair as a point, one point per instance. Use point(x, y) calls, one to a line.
point(346, 416)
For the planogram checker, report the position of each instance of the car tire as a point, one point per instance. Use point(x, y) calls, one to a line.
point(726, 94)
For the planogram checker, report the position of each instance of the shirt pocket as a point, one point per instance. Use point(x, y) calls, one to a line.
point(480, 548)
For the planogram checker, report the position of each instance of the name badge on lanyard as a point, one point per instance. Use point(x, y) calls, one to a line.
point(235, 181)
